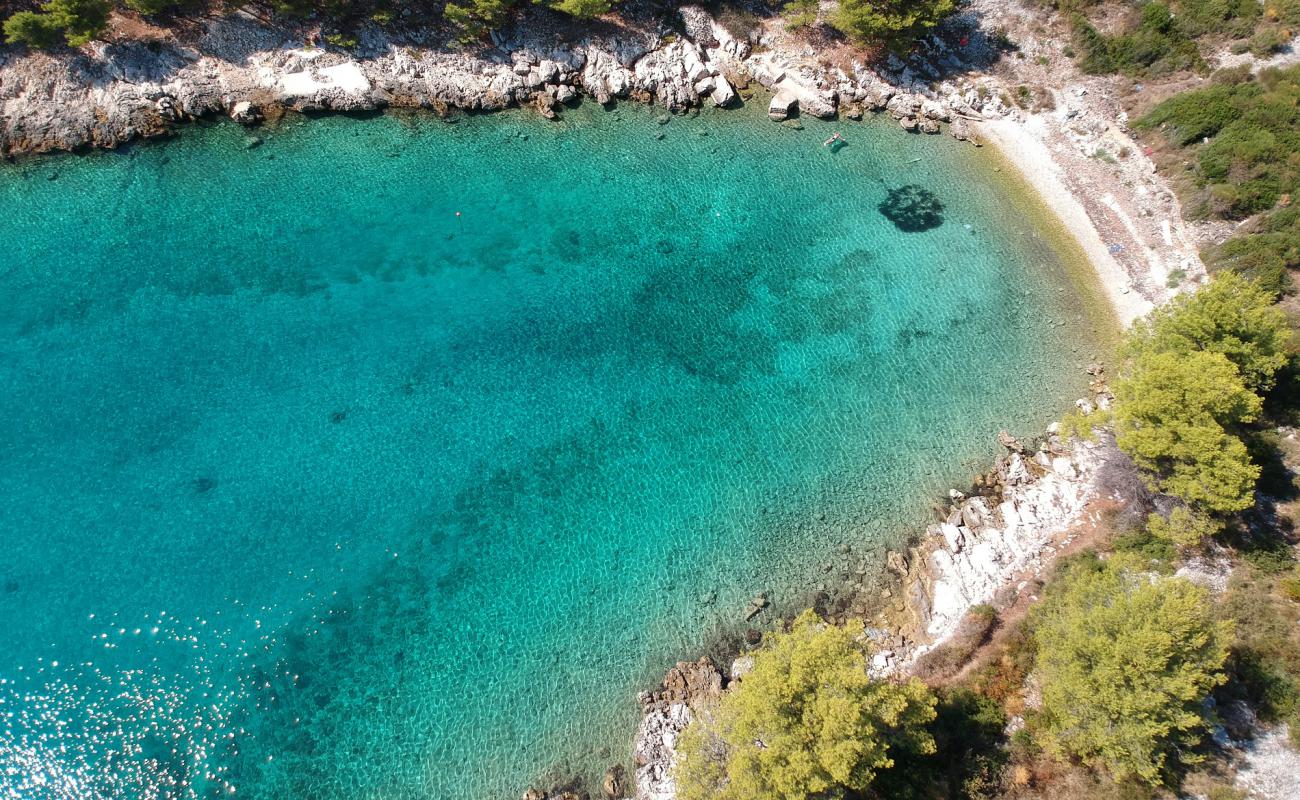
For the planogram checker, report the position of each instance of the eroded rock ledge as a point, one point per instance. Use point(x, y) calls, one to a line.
point(239, 66)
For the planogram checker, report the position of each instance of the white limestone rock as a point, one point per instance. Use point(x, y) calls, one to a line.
point(723, 96)
point(782, 106)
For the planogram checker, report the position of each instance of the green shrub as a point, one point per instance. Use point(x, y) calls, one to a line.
point(1231, 316)
point(151, 7)
point(1267, 42)
point(1125, 663)
point(41, 31)
point(476, 17)
point(1193, 375)
point(582, 9)
point(1286, 12)
point(1154, 47)
point(1170, 416)
point(1183, 527)
point(78, 21)
point(1158, 552)
point(1265, 662)
point(82, 20)
point(893, 22)
point(1247, 167)
point(1265, 258)
point(1096, 58)
point(1290, 587)
point(1078, 425)
point(1270, 555)
point(1192, 116)
point(1235, 18)
point(800, 13)
point(969, 756)
point(806, 722)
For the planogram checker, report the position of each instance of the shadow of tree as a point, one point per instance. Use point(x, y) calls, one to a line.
point(912, 208)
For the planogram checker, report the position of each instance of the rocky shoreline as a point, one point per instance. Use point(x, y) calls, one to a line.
point(993, 539)
point(253, 70)
point(239, 66)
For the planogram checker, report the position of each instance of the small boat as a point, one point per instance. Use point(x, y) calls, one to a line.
point(835, 138)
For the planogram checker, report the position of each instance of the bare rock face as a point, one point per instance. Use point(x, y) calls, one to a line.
point(243, 66)
point(654, 752)
point(982, 545)
point(688, 689)
point(244, 113)
point(699, 26)
point(694, 684)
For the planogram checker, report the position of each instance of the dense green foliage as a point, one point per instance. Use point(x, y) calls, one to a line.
point(1265, 661)
point(34, 30)
point(583, 9)
point(1154, 46)
point(1125, 662)
point(477, 16)
point(1183, 527)
point(1193, 376)
point(800, 13)
point(970, 753)
point(1244, 139)
point(151, 6)
point(806, 722)
point(1163, 37)
point(1231, 316)
point(889, 21)
point(79, 21)
point(1172, 415)
point(74, 21)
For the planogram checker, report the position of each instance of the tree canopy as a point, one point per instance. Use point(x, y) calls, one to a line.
point(872, 21)
point(1192, 379)
point(583, 9)
point(1183, 527)
point(1125, 661)
point(1231, 316)
point(806, 722)
point(1170, 415)
point(75, 21)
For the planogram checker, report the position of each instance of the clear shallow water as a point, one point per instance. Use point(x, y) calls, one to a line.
point(311, 489)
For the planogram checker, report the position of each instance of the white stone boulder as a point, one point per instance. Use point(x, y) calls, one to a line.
point(723, 94)
point(783, 104)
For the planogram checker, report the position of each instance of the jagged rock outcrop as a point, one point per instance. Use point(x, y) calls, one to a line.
point(985, 541)
point(686, 689)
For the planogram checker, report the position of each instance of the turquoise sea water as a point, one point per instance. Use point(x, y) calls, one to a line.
point(311, 488)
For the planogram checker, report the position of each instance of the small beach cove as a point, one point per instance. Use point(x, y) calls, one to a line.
point(408, 451)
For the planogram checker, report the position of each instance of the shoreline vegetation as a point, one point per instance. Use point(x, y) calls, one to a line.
point(1110, 612)
point(1134, 645)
